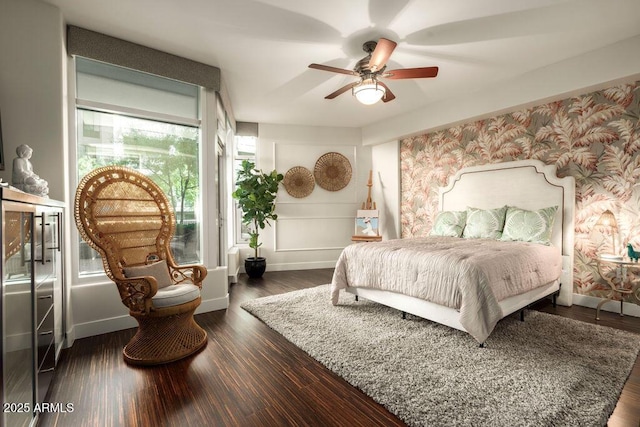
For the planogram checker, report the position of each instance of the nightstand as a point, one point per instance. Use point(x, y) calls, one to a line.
point(621, 268)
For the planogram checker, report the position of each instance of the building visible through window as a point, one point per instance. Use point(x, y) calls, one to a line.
point(142, 132)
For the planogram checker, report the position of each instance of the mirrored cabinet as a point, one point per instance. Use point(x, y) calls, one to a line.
point(32, 309)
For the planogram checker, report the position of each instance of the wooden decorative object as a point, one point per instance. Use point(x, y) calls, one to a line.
point(366, 231)
point(299, 182)
point(332, 171)
point(369, 204)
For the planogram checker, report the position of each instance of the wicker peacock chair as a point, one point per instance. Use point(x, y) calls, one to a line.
point(127, 218)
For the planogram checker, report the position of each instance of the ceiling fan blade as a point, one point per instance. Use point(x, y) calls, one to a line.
point(411, 73)
point(333, 69)
point(388, 95)
point(381, 54)
point(342, 90)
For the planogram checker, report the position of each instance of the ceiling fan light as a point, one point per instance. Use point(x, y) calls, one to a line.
point(369, 92)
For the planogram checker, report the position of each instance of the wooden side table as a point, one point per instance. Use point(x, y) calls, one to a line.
point(357, 239)
point(621, 268)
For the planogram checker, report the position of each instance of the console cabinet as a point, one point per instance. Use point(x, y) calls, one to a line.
point(32, 302)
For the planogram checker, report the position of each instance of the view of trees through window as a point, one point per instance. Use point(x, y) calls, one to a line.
point(244, 149)
point(167, 153)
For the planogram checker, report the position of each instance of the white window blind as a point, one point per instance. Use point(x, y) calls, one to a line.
point(102, 86)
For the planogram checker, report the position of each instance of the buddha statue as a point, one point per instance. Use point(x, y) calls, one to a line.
point(23, 177)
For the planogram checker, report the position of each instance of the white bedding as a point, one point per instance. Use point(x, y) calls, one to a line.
point(469, 275)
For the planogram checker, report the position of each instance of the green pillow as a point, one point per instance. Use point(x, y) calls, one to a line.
point(484, 223)
point(449, 223)
point(529, 226)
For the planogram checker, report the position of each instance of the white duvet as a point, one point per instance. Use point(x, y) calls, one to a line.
point(469, 275)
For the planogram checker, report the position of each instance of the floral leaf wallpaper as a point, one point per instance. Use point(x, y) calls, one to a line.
point(595, 138)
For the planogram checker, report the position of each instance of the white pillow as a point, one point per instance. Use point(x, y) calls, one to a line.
point(159, 270)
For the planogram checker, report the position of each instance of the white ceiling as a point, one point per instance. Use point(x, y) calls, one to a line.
point(264, 47)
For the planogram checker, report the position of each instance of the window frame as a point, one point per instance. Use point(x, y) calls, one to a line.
point(237, 218)
point(87, 105)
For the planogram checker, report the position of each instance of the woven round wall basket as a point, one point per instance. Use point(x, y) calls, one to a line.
point(332, 171)
point(299, 182)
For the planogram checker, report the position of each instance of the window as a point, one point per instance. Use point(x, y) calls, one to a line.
point(155, 132)
point(244, 149)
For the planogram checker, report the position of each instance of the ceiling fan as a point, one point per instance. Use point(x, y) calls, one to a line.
point(369, 89)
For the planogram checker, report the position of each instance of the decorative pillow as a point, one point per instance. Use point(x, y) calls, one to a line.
point(529, 226)
point(449, 223)
point(484, 223)
point(159, 270)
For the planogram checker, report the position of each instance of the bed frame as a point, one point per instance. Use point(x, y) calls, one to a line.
point(527, 184)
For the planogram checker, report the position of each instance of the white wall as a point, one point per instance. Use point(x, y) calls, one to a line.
point(32, 85)
point(311, 231)
point(33, 95)
point(385, 160)
point(594, 70)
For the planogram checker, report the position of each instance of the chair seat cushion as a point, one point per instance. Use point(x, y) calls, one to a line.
point(175, 295)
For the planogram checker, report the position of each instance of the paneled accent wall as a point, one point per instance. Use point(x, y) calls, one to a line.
point(318, 221)
point(311, 231)
point(594, 138)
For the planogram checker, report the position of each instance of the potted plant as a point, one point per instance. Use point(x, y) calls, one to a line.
point(256, 194)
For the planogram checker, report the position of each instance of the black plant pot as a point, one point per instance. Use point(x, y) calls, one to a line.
point(255, 267)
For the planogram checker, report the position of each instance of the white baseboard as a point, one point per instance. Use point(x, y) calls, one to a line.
point(213, 304)
point(70, 337)
point(308, 265)
point(104, 326)
point(118, 323)
point(233, 264)
point(233, 277)
point(629, 308)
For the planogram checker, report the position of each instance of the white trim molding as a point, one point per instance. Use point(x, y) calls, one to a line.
point(629, 308)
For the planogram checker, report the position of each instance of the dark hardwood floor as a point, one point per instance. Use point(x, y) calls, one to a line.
point(248, 375)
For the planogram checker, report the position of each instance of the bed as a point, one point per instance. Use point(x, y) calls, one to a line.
point(367, 270)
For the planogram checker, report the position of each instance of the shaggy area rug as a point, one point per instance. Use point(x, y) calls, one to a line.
point(546, 371)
